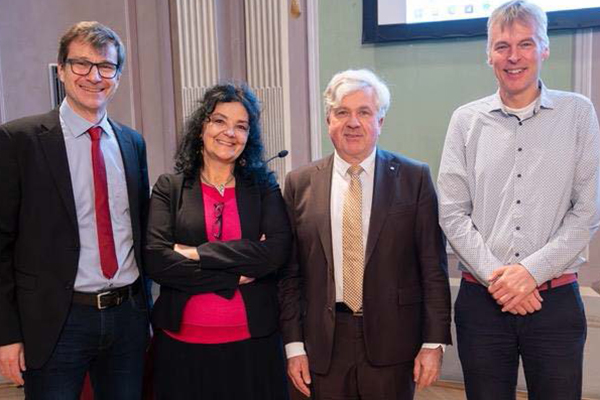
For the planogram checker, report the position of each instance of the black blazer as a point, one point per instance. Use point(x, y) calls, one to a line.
point(177, 216)
point(39, 237)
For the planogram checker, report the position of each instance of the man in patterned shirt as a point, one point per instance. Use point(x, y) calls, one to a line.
point(518, 189)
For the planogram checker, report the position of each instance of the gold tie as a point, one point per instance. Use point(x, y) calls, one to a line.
point(352, 241)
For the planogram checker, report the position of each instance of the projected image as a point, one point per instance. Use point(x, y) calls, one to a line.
point(419, 11)
point(402, 20)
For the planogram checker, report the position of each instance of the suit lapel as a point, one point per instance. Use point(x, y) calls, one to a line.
point(321, 189)
point(192, 203)
point(248, 202)
point(131, 165)
point(386, 171)
point(53, 145)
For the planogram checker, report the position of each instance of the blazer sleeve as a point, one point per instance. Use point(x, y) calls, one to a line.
point(253, 257)
point(431, 250)
point(290, 279)
point(144, 184)
point(10, 325)
point(164, 265)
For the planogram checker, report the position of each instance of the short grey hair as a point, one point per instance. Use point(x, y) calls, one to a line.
point(351, 80)
point(519, 11)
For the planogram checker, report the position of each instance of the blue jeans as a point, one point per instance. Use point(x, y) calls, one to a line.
point(550, 342)
point(109, 343)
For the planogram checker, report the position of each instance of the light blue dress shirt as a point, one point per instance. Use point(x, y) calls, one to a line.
point(79, 146)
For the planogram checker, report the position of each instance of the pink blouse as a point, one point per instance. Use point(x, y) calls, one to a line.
point(208, 318)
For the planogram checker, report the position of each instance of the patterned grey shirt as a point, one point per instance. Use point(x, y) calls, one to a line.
point(521, 191)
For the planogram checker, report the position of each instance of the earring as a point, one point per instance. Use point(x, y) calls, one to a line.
point(242, 162)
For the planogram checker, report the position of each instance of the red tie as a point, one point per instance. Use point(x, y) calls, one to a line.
point(106, 242)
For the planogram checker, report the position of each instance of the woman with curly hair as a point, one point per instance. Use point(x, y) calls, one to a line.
point(217, 234)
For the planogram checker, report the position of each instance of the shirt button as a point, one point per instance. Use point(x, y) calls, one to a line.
point(520, 149)
point(518, 175)
point(518, 228)
point(520, 122)
point(518, 201)
point(516, 254)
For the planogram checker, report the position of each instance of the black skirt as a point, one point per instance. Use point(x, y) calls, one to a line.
point(251, 369)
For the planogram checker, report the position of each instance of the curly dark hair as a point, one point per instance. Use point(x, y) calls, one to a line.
point(250, 164)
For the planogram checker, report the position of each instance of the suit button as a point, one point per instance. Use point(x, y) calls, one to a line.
point(68, 286)
point(330, 309)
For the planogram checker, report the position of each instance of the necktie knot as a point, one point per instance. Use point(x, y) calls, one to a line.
point(95, 132)
point(355, 170)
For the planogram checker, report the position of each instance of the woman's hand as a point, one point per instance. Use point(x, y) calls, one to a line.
point(187, 251)
point(245, 280)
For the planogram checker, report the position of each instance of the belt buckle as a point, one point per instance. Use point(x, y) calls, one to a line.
point(99, 297)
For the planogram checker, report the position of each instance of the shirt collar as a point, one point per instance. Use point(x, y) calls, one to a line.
point(543, 101)
point(368, 164)
point(77, 124)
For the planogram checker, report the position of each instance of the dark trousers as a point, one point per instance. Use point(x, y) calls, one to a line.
point(550, 342)
point(109, 343)
point(251, 369)
point(352, 376)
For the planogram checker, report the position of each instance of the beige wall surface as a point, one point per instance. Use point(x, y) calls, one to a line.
point(29, 34)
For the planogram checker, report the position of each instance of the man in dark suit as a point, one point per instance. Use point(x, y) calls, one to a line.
point(365, 300)
point(75, 192)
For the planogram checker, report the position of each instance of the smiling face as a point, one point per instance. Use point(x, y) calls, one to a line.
point(225, 133)
point(516, 55)
point(354, 125)
point(89, 95)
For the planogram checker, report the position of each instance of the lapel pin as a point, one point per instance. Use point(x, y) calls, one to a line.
point(392, 168)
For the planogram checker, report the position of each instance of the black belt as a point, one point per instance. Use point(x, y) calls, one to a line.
point(108, 298)
point(343, 308)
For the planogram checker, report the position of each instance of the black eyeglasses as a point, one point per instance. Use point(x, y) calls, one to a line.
point(81, 67)
point(217, 229)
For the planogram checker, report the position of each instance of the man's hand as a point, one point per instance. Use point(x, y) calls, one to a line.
point(12, 362)
point(529, 305)
point(511, 284)
point(299, 374)
point(428, 364)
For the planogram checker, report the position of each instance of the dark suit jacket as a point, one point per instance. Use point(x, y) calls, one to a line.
point(39, 237)
point(177, 216)
point(406, 296)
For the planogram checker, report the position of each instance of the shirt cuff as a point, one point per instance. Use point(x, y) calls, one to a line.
point(433, 346)
point(294, 349)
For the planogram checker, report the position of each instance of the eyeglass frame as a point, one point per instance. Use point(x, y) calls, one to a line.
point(222, 125)
point(217, 228)
point(70, 61)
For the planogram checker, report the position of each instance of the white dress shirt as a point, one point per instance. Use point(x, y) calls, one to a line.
point(521, 190)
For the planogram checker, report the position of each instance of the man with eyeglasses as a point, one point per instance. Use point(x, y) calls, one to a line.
point(72, 206)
